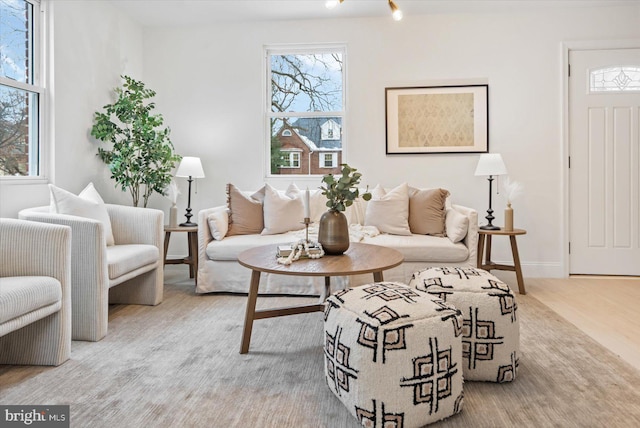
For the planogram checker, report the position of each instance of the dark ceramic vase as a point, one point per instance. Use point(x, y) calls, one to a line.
point(333, 232)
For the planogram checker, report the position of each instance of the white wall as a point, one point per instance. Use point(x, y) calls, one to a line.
point(92, 45)
point(210, 85)
point(210, 89)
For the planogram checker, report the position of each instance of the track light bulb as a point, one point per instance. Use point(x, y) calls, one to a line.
point(395, 12)
point(330, 4)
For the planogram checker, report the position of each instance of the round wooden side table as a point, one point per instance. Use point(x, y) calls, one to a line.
point(484, 246)
point(192, 241)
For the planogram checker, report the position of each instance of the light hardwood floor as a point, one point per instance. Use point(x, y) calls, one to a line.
point(605, 308)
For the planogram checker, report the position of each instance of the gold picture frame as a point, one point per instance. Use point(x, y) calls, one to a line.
point(437, 119)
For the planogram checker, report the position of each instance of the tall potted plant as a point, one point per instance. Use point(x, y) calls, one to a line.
point(142, 157)
point(340, 191)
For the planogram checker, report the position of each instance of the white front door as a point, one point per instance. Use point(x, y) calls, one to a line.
point(604, 183)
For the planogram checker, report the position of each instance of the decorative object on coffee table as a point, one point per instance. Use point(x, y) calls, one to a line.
point(190, 167)
point(333, 231)
point(490, 164)
point(491, 333)
point(393, 355)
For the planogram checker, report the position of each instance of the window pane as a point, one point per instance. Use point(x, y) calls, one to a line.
point(306, 83)
point(16, 40)
point(615, 79)
point(18, 132)
point(309, 138)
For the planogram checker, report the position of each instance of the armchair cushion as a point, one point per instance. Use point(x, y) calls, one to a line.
point(20, 295)
point(122, 259)
point(87, 204)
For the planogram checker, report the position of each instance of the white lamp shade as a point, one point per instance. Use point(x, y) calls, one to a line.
point(491, 164)
point(190, 167)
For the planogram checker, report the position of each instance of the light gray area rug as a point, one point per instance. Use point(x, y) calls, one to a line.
point(178, 365)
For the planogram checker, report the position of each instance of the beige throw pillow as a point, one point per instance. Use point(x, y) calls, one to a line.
point(282, 213)
point(218, 223)
point(389, 211)
point(87, 204)
point(457, 225)
point(245, 212)
point(427, 211)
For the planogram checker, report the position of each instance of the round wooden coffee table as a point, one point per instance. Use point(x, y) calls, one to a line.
point(358, 259)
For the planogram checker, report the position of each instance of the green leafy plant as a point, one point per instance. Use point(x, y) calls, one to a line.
point(142, 157)
point(341, 191)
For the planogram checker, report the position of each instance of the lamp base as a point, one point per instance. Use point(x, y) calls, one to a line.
point(485, 227)
point(188, 224)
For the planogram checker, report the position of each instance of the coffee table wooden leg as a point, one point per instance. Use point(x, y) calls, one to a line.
point(516, 262)
point(327, 289)
point(251, 310)
point(377, 277)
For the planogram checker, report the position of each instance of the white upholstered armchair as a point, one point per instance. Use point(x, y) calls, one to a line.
point(35, 293)
point(129, 272)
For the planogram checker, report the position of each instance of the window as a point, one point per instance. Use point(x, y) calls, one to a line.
point(291, 160)
point(328, 160)
point(21, 89)
point(615, 79)
point(305, 93)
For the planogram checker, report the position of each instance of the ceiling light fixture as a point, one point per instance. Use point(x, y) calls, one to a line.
point(395, 12)
point(330, 4)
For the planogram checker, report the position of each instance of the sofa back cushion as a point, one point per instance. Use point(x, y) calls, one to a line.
point(389, 211)
point(282, 212)
point(245, 212)
point(427, 212)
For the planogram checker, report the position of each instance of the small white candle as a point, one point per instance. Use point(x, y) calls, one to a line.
point(306, 203)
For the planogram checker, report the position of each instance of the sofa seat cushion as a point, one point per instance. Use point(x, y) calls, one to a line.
point(122, 259)
point(422, 248)
point(231, 246)
point(20, 295)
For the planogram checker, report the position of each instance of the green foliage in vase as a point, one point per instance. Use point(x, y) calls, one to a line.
point(342, 190)
point(142, 157)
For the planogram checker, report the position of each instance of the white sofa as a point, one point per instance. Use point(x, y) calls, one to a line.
point(219, 271)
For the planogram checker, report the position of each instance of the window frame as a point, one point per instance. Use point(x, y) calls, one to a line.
point(334, 159)
point(290, 155)
point(39, 60)
point(300, 49)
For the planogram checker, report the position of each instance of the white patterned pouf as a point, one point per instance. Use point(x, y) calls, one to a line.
point(393, 356)
point(491, 333)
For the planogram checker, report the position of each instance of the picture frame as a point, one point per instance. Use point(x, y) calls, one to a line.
point(437, 119)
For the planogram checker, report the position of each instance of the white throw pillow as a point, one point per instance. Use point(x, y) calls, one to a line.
point(282, 213)
point(389, 211)
point(317, 201)
point(457, 225)
point(87, 204)
point(219, 223)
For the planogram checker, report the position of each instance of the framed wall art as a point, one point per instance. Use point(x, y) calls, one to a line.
point(437, 119)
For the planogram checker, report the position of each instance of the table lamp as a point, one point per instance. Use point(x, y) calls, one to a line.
point(490, 164)
point(190, 167)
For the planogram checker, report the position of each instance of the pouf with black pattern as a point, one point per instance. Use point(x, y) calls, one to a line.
point(491, 332)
